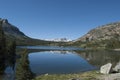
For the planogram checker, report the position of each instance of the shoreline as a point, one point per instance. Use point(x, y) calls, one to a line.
point(89, 75)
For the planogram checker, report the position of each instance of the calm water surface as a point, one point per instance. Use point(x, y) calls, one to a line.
point(58, 62)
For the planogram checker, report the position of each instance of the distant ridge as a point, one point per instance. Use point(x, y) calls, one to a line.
point(59, 40)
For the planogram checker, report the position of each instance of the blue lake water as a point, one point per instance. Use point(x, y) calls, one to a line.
point(54, 62)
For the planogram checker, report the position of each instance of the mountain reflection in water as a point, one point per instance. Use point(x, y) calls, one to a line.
point(99, 58)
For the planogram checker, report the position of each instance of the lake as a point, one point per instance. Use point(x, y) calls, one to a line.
point(56, 60)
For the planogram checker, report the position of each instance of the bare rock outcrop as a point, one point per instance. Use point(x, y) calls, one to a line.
point(103, 32)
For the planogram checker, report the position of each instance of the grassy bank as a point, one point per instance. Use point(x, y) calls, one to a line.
point(91, 75)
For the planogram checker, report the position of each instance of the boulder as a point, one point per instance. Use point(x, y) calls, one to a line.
point(117, 67)
point(105, 69)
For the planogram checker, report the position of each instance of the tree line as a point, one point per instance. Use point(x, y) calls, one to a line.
point(7, 50)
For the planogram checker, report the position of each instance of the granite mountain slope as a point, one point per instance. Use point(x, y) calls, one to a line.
point(105, 32)
point(106, 36)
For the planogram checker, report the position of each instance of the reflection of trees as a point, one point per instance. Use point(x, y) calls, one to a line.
point(6, 61)
point(99, 58)
point(2, 65)
point(23, 71)
point(11, 54)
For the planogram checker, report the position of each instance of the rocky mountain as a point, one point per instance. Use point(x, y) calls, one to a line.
point(11, 30)
point(102, 36)
point(105, 32)
point(13, 33)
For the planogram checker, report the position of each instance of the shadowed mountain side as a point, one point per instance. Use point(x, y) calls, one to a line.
point(13, 33)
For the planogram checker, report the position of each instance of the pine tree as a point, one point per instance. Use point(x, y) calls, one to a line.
point(2, 50)
point(2, 41)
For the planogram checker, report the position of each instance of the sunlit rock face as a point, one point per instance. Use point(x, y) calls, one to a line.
point(104, 32)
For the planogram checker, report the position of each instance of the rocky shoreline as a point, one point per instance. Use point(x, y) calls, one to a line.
point(90, 75)
point(106, 72)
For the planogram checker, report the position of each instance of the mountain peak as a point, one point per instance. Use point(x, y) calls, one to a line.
point(4, 20)
point(11, 30)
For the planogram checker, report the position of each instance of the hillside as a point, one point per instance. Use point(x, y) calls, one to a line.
point(11, 30)
point(106, 36)
point(13, 33)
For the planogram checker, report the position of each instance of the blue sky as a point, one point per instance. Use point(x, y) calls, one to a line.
point(48, 19)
